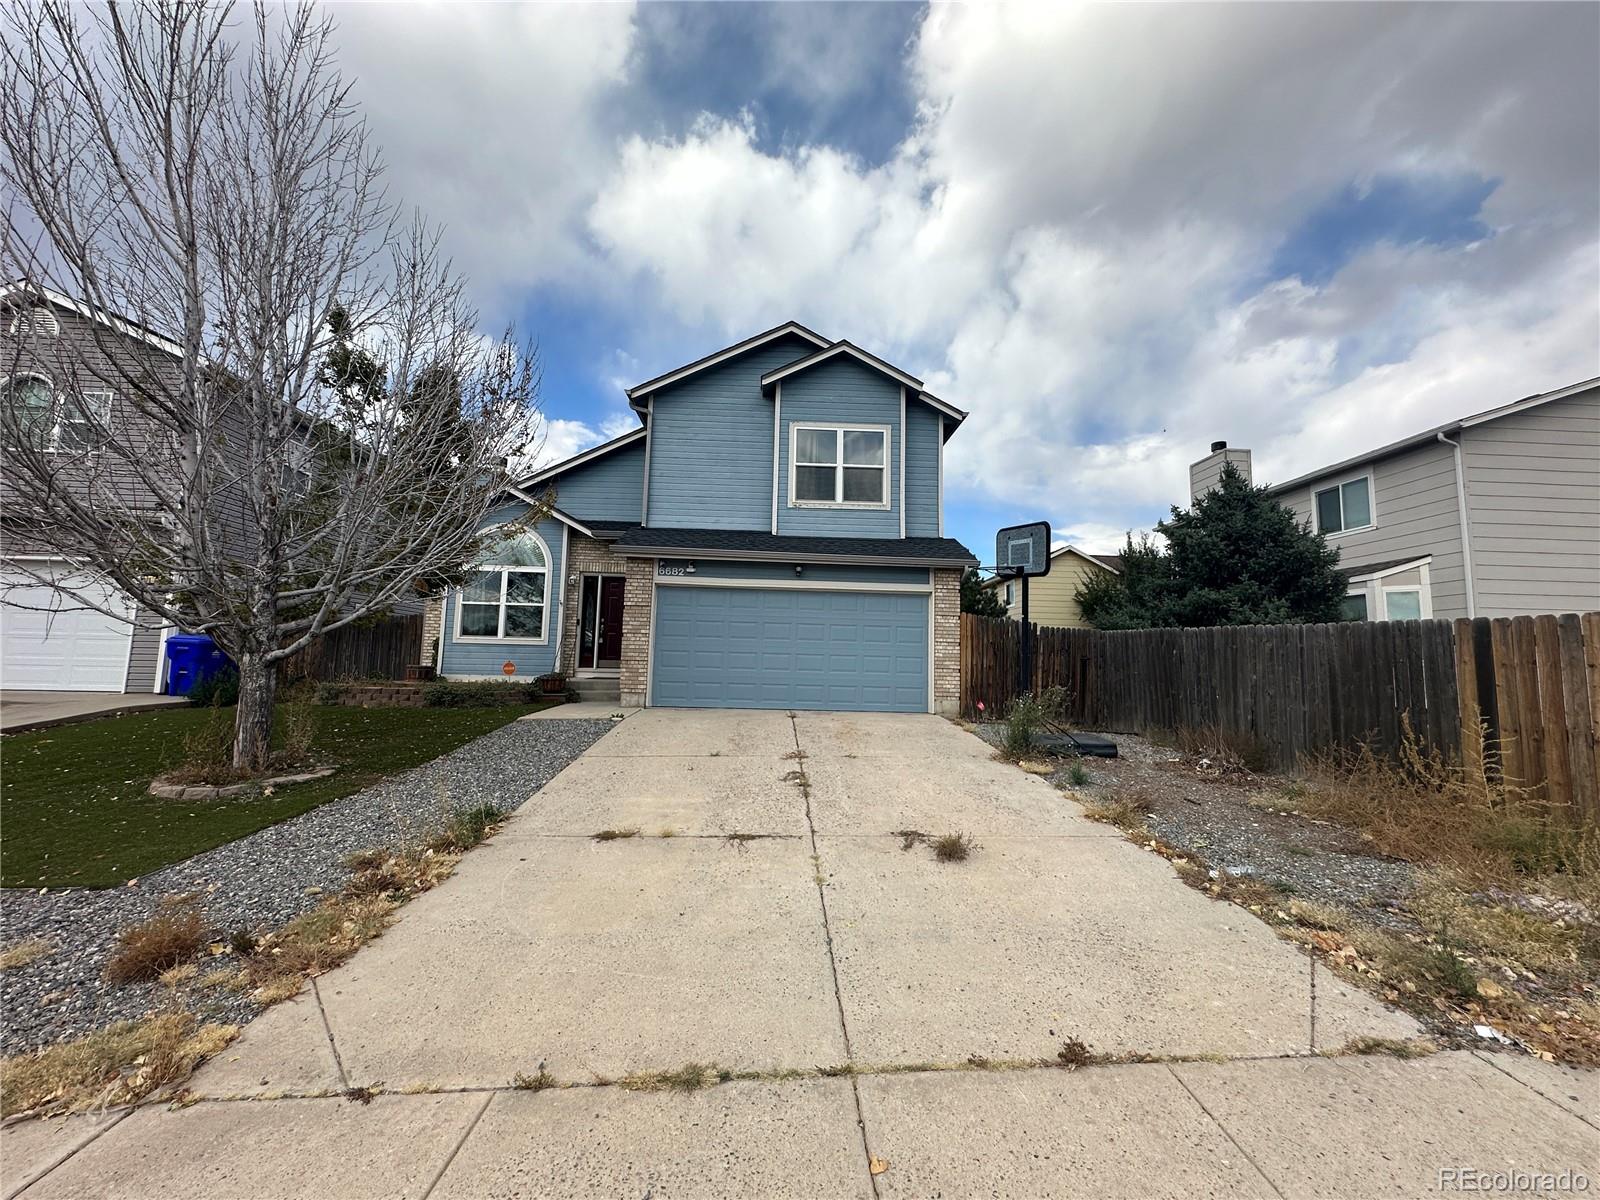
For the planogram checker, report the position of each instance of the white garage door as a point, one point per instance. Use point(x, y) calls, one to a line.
point(75, 650)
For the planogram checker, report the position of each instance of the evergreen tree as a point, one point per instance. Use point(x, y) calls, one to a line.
point(1235, 557)
point(977, 599)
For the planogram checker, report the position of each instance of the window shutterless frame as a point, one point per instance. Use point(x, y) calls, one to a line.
point(503, 600)
point(65, 423)
point(837, 461)
point(1342, 503)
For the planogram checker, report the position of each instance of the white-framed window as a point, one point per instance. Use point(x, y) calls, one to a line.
point(1403, 592)
point(506, 595)
point(298, 468)
point(59, 422)
point(1345, 507)
point(838, 466)
point(1009, 593)
point(1403, 604)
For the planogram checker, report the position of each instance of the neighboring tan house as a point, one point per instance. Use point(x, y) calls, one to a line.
point(1493, 515)
point(47, 642)
point(1052, 598)
point(770, 537)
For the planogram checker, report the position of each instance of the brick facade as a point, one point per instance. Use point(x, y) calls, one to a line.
point(584, 555)
point(432, 629)
point(947, 642)
point(636, 628)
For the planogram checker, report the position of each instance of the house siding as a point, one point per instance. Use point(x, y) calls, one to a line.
point(1207, 473)
point(922, 470)
point(466, 659)
point(1533, 508)
point(609, 488)
point(145, 654)
point(711, 444)
point(1052, 598)
point(840, 392)
point(1414, 494)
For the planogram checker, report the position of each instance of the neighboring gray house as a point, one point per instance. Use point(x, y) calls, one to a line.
point(1492, 515)
point(771, 536)
point(47, 642)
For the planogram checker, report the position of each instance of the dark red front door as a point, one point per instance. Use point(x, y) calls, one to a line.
point(611, 591)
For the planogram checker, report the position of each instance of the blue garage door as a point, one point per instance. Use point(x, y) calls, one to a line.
point(758, 648)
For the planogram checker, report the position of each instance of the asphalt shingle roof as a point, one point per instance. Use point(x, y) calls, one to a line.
point(745, 542)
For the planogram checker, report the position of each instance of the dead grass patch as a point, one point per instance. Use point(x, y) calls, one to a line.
point(690, 1077)
point(316, 942)
point(1426, 810)
point(953, 847)
point(1219, 751)
point(116, 1065)
point(1389, 1046)
point(613, 835)
point(1126, 810)
point(24, 953)
point(173, 935)
point(540, 1081)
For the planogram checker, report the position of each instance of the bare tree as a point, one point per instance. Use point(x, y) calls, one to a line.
point(179, 171)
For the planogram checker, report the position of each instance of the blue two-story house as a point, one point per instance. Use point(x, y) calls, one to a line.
point(772, 536)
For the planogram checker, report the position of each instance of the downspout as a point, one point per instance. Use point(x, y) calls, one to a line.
point(1466, 533)
point(649, 436)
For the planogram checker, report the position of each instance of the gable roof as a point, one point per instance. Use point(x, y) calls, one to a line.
point(20, 289)
point(872, 362)
point(1431, 435)
point(1099, 560)
point(577, 460)
point(639, 391)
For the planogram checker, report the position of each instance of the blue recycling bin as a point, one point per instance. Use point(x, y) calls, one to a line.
point(192, 657)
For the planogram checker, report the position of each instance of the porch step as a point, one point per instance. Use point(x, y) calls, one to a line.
point(597, 690)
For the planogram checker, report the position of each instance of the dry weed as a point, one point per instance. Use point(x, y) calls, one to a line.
point(173, 935)
point(24, 953)
point(116, 1065)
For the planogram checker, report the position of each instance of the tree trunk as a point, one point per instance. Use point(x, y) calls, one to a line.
point(252, 732)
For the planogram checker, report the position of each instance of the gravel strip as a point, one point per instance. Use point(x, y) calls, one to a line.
point(1240, 824)
point(259, 882)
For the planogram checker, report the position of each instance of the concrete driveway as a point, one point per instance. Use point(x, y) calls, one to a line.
point(36, 710)
point(870, 1004)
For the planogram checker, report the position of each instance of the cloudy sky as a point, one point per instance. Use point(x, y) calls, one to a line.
point(1113, 233)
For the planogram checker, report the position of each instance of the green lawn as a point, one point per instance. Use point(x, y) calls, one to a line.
point(74, 811)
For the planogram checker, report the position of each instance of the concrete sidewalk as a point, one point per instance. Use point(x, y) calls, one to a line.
point(767, 917)
point(38, 710)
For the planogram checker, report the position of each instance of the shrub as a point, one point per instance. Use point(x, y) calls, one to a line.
point(174, 935)
point(485, 693)
point(299, 729)
point(953, 847)
point(219, 689)
point(465, 828)
point(1023, 719)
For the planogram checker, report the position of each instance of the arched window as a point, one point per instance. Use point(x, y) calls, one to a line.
point(505, 597)
point(31, 402)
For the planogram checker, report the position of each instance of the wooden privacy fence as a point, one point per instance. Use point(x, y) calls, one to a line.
point(380, 650)
point(1532, 682)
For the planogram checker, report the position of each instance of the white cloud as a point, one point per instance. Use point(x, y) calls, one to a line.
point(1072, 240)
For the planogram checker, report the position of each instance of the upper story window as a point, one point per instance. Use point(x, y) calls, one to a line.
point(1345, 507)
point(839, 466)
point(1010, 595)
point(60, 422)
point(505, 597)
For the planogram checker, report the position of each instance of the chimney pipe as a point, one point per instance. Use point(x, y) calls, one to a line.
point(1215, 446)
